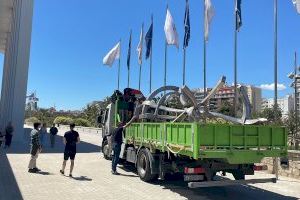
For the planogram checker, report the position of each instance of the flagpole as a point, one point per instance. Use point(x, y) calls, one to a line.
point(141, 64)
point(166, 54)
point(204, 58)
point(275, 160)
point(186, 37)
point(296, 91)
point(128, 77)
point(204, 68)
point(119, 73)
point(140, 76)
point(128, 57)
point(183, 73)
point(275, 53)
point(150, 71)
point(235, 73)
point(119, 67)
point(151, 55)
point(235, 64)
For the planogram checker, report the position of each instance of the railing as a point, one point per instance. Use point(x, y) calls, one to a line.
point(83, 129)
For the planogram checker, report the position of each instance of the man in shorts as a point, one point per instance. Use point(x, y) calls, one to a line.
point(71, 138)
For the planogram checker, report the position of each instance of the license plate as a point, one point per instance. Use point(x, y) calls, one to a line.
point(193, 177)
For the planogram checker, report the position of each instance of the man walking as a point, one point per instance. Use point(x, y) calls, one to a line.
point(53, 133)
point(43, 133)
point(71, 138)
point(8, 134)
point(35, 148)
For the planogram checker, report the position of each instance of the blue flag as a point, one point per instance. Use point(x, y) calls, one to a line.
point(238, 15)
point(129, 51)
point(148, 40)
point(187, 27)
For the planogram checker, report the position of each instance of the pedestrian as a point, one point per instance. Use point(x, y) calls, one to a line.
point(43, 133)
point(117, 140)
point(71, 139)
point(1, 138)
point(8, 134)
point(53, 133)
point(35, 149)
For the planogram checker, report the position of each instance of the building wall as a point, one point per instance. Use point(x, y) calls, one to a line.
point(15, 70)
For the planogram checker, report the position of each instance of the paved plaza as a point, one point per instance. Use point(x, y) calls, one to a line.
point(93, 181)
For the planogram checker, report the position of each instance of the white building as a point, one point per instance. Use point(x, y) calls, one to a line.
point(286, 104)
point(15, 40)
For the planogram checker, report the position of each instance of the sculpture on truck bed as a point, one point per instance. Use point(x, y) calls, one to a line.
point(156, 108)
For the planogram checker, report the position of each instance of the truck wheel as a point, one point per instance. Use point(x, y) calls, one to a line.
point(105, 150)
point(143, 166)
point(238, 175)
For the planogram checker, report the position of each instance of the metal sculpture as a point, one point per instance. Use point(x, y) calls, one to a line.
point(156, 108)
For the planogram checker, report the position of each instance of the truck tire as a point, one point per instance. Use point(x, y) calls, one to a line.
point(105, 150)
point(144, 167)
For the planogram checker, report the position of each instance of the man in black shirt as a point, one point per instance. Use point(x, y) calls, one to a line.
point(53, 133)
point(117, 140)
point(71, 138)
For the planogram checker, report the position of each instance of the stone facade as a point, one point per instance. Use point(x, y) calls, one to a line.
point(293, 169)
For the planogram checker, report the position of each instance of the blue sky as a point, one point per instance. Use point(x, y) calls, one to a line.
point(70, 38)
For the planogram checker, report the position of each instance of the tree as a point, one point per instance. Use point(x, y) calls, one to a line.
point(292, 124)
point(82, 122)
point(273, 115)
point(31, 120)
point(63, 120)
point(226, 108)
point(92, 111)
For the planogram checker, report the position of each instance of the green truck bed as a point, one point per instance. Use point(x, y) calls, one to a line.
point(235, 144)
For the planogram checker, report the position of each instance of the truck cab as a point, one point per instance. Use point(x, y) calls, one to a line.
point(120, 109)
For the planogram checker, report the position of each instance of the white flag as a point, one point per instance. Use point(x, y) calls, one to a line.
point(170, 30)
point(297, 5)
point(139, 48)
point(209, 13)
point(112, 55)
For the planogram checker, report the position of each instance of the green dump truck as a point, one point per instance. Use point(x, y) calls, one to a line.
point(195, 150)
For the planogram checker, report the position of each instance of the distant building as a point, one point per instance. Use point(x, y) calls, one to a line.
point(31, 102)
point(69, 112)
point(226, 93)
point(286, 104)
point(199, 96)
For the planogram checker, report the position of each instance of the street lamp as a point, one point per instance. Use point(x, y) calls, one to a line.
point(295, 76)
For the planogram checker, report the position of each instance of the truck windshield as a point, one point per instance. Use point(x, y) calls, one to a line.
point(124, 111)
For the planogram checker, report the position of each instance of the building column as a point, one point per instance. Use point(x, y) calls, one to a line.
point(15, 69)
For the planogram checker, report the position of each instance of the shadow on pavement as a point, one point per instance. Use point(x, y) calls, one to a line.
point(227, 192)
point(176, 184)
point(44, 173)
point(82, 178)
point(9, 188)
point(23, 147)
